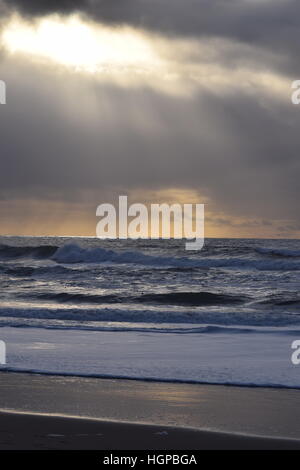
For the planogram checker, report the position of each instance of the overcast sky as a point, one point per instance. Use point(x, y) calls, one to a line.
point(163, 100)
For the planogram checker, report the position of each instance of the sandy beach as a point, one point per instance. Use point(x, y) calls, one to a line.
point(50, 412)
point(39, 432)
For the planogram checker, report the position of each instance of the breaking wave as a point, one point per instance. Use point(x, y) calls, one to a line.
point(279, 252)
point(72, 253)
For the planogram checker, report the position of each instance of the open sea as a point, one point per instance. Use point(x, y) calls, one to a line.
point(150, 310)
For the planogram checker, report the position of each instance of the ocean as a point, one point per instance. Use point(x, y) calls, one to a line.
point(150, 310)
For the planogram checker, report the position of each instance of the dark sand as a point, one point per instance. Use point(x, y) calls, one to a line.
point(25, 431)
point(123, 414)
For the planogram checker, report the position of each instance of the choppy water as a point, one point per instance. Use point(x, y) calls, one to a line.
point(144, 284)
point(150, 309)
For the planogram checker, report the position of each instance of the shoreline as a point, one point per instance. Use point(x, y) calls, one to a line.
point(154, 415)
point(148, 379)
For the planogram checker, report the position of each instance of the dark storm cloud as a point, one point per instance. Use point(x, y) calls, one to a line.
point(252, 20)
point(59, 141)
point(63, 136)
point(40, 7)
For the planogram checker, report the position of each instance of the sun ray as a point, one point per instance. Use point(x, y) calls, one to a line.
point(83, 45)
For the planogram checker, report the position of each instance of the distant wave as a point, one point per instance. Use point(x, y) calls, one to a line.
point(279, 252)
point(72, 253)
point(192, 298)
point(144, 328)
point(169, 298)
point(282, 300)
point(129, 314)
point(43, 251)
point(19, 271)
point(30, 271)
point(65, 297)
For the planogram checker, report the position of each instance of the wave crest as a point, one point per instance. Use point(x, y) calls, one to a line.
point(43, 251)
point(284, 252)
point(71, 253)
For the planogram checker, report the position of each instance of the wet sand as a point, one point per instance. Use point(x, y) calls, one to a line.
point(38, 432)
point(83, 413)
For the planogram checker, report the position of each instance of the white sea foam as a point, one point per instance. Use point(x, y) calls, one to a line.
point(254, 359)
